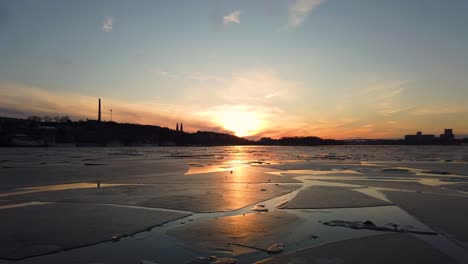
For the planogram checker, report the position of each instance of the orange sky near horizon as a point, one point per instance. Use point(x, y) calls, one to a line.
point(248, 121)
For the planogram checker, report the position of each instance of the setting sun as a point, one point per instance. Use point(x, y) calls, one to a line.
point(241, 123)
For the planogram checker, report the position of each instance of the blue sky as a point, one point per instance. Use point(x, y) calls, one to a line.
point(332, 68)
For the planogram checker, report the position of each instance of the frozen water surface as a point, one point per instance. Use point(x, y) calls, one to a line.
point(172, 205)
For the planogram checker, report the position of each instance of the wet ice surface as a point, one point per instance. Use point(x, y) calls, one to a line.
point(214, 191)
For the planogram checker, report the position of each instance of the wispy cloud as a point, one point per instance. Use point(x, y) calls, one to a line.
point(232, 18)
point(107, 24)
point(268, 96)
point(168, 74)
point(394, 111)
point(382, 97)
point(442, 110)
point(254, 85)
point(385, 89)
point(263, 111)
point(259, 85)
point(204, 77)
point(395, 92)
point(196, 76)
point(299, 11)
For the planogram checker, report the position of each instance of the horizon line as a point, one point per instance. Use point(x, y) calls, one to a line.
point(463, 136)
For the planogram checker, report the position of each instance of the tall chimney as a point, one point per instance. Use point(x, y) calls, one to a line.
point(99, 111)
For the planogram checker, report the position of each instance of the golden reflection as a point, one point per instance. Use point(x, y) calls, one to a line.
point(10, 206)
point(205, 169)
point(231, 163)
point(242, 174)
point(315, 172)
point(235, 161)
point(57, 187)
point(236, 196)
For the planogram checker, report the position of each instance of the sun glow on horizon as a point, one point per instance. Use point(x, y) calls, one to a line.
point(241, 123)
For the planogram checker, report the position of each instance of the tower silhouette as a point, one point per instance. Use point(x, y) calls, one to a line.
point(99, 110)
point(181, 127)
point(177, 127)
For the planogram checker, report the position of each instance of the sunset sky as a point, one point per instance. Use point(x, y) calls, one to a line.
point(328, 68)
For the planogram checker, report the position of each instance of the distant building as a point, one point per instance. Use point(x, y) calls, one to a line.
point(420, 139)
point(448, 137)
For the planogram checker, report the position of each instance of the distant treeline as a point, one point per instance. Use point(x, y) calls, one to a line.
point(48, 131)
point(299, 141)
point(37, 131)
